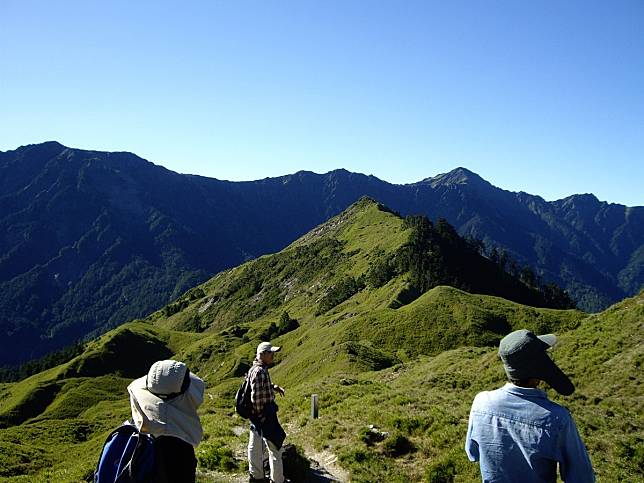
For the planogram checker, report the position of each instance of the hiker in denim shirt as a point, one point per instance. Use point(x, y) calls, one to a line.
point(516, 432)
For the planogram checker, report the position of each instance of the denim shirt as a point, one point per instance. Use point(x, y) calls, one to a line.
point(518, 434)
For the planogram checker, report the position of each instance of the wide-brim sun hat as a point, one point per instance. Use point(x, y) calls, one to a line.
point(525, 356)
point(164, 402)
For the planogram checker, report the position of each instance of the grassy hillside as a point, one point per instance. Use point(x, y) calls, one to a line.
point(424, 405)
point(375, 355)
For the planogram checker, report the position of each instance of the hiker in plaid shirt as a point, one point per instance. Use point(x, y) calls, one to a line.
point(265, 428)
point(262, 389)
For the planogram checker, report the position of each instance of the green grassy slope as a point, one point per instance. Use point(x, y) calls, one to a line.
point(411, 370)
point(426, 402)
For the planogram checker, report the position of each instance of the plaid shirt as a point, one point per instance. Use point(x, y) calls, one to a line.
point(261, 387)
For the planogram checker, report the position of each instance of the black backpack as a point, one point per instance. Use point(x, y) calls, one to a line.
point(243, 404)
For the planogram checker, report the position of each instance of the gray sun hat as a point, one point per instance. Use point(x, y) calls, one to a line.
point(168, 379)
point(524, 356)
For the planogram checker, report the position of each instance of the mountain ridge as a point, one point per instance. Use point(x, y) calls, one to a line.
point(92, 239)
point(458, 175)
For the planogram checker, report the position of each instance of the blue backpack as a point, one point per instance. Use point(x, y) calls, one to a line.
point(128, 456)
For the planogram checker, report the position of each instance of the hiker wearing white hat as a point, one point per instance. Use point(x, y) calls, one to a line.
point(265, 428)
point(516, 432)
point(164, 404)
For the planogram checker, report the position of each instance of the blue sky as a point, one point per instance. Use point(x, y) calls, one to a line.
point(545, 97)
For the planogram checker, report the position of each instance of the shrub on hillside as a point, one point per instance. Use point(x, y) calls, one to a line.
point(397, 445)
point(343, 290)
point(193, 324)
point(411, 425)
point(234, 331)
point(284, 326)
point(351, 457)
point(380, 271)
point(632, 450)
point(443, 471)
point(436, 255)
point(216, 456)
point(175, 308)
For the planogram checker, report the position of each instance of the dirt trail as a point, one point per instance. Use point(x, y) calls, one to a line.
point(324, 467)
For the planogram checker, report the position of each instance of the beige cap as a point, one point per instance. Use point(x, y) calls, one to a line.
point(267, 347)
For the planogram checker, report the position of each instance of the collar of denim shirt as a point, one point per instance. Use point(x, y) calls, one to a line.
point(524, 391)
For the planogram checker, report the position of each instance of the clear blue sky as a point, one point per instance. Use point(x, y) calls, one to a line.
point(542, 96)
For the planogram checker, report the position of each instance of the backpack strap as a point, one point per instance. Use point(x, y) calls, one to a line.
point(99, 476)
point(141, 459)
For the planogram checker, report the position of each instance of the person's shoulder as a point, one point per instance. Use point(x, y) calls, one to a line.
point(493, 394)
point(484, 398)
point(256, 370)
point(558, 411)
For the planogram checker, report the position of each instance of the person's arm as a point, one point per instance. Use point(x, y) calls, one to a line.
point(471, 446)
point(261, 393)
point(574, 466)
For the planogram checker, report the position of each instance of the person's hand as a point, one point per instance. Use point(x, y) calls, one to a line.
point(280, 390)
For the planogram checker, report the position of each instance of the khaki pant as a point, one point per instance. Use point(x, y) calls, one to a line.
point(256, 458)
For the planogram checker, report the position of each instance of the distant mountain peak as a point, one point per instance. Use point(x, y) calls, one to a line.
point(457, 176)
point(461, 171)
point(44, 144)
point(584, 201)
point(339, 171)
point(344, 174)
point(584, 197)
